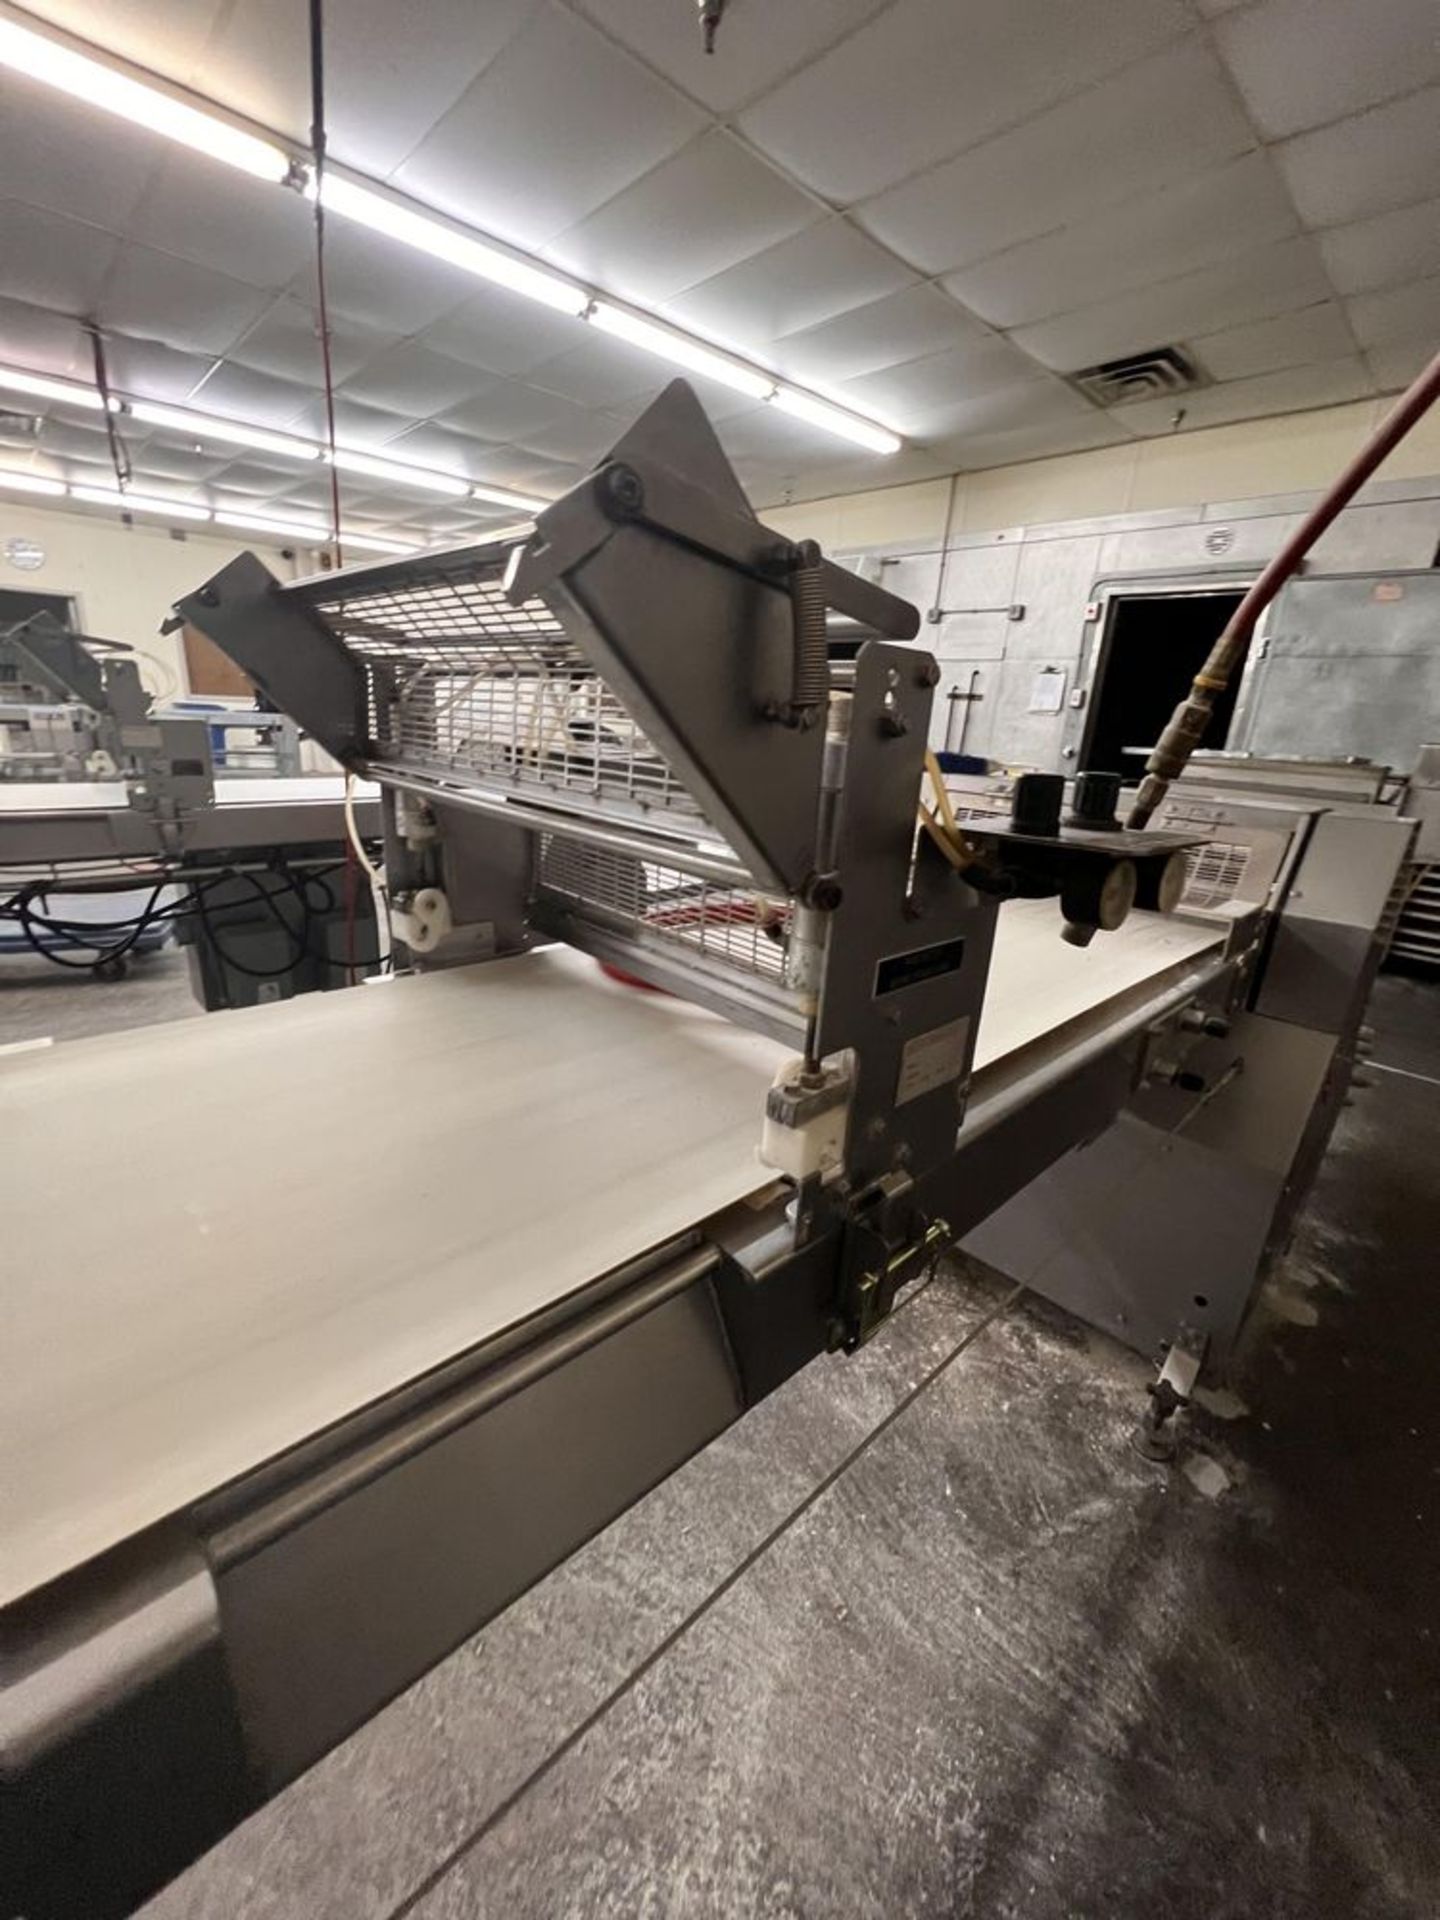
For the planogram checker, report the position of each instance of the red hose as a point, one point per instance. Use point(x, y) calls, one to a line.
point(1189, 720)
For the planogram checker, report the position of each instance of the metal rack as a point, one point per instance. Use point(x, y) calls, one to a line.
point(470, 690)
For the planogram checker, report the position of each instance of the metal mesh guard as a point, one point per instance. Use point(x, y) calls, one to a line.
point(467, 688)
point(727, 926)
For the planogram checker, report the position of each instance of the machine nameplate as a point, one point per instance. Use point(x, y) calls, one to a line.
point(899, 970)
point(932, 1058)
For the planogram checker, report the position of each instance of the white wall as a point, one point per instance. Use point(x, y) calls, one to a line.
point(124, 580)
point(1292, 453)
point(1047, 536)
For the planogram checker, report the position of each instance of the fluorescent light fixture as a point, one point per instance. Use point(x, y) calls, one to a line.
point(520, 531)
point(397, 222)
point(29, 483)
point(70, 392)
point(373, 543)
point(849, 426)
point(231, 432)
point(105, 87)
point(313, 531)
point(676, 348)
point(503, 497)
point(139, 503)
point(350, 462)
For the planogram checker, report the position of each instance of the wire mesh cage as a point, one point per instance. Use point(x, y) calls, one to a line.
point(468, 688)
point(730, 927)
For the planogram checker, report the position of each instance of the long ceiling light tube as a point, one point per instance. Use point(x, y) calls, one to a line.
point(313, 531)
point(139, 502)
point(40, 386)
point(351, 460)
point(205, 426)
point(392, 218)
point(102, 84)
point(680, 350)
point(30, 483)
point(837, 420)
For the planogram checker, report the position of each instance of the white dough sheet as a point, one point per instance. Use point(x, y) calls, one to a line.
point(225, 1235)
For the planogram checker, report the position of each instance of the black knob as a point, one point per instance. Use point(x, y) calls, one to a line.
point(1096, 797)
point(1036, 802)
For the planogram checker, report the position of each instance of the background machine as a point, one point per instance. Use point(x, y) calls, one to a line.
point(476, 1256)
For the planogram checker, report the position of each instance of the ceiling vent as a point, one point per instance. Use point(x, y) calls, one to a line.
point(19, 429)
point(1153, 375)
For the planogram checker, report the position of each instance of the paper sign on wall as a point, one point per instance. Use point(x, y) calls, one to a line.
point(1047, 690)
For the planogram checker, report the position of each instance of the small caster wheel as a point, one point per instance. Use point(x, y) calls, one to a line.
point(113, 969)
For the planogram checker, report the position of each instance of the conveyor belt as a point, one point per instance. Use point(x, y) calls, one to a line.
point(224, 1236)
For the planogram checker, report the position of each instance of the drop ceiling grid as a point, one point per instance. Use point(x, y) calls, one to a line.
point(1227, 61)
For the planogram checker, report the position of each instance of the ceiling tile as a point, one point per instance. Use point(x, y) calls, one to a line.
point(1395, 367)
point(780, 441)
point(557, 124)
point(581, 437)
point(754, 46)
point(927, 77)
point(286, 341)
point(604, 372)
point(903, 326)
point(1384, 250)
point(384, 87)
point(1250, 287)
point(1006, 446)
point(800, 282)
point(1398, 315)
point(241, 393)
point(410, 379)
point(557, 477)
point(512, 467)
point(503, 333)
point(430, 443)
point(49, 261)
point(162, 298)
point(919, 396)
point(165, 35)
point(46, 342)
point(1161, 121)
point(1300, 339)
point(356, 425)
point(241, 227)
point(707, 207)
point(1202, 221)
point(1303, 63)
point(375, 283)
point(65, 157)
point(1030, 405)
point(165, 459)
point(1289, 392)
point(152, 371)
point(76, 440)
point(1388, 157)
point(509, 412)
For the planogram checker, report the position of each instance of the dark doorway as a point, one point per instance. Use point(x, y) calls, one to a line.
point(15, 605)
point(1154, 644)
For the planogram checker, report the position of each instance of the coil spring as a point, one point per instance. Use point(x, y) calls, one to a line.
point(810, 685)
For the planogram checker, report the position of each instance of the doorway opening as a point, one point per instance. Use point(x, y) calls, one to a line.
point(1154, 645)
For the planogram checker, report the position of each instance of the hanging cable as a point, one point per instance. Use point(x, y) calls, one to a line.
point(317, 148)
point(119, 452)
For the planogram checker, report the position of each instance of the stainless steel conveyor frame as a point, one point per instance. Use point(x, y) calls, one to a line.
point(619, 732)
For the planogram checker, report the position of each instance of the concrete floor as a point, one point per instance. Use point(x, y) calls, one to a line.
point(924, 1635)
point(39, 1000)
